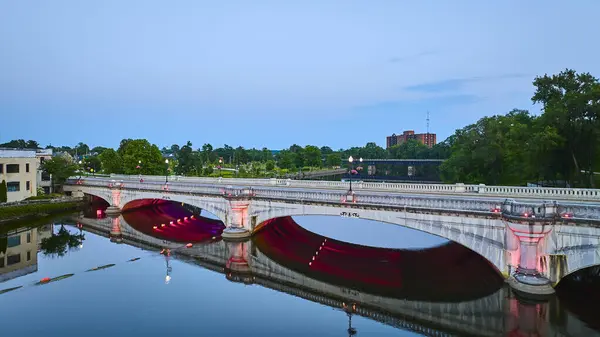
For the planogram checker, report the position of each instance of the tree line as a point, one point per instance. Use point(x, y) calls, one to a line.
point(558, 147)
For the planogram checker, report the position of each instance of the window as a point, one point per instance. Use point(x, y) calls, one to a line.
point(13, 186)
point(1, 168)
point(14, 241)
point(28, 255)
point(27, 185)
point(12, 168)
point(42, 160)
point(2, 262)
point(27, 167)
point(13, 259)
point(45, 176)
point(29, 237)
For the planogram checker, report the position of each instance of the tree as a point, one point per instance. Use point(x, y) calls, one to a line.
point(61, 168)
point(21, 144)
point(334, 159)
point(571, 104)
point(60, 243)
point(270, 165)
point(3, 192)
point(207, 155)
point(81, 149)
point(285, 159)
point(186, 161)
point(98, 150)
point(134, 151)
point(266, 155)
point(92, 162)
point(325, 150)
point(312, 156)
point(111, 161)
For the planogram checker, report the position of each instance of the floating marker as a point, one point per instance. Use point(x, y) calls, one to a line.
point(101, 267)
point(9, 289)
point(134, 259)
point(47, 280)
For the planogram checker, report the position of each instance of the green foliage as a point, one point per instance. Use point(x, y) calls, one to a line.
point(60, 168)
point(571, 104)
point(334, 159)
point(35, 209)
point(3, 192)
point(21, 144)
point(270, 165)
point(111, 161)
point(60, 243)
point(45, 196)
point(134, 151)
point(312, 156)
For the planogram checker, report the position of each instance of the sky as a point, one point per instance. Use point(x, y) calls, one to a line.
point(273, 73)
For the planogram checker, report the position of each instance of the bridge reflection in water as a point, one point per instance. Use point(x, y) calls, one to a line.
point(442, 291)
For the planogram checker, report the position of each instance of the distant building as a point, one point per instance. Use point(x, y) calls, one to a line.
point(44, 180)
point(428, 139)
point(19, 169)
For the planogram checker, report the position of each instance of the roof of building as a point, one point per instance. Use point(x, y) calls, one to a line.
point(43, 152)
point(16, 153)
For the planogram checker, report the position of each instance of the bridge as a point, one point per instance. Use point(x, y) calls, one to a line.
point(533, 236)
point(485, 315)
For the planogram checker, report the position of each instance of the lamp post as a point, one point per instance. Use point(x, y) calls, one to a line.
point(139, 168)
point(166, 171)
point(79, 162)
point(219, 167)
point(351, 161)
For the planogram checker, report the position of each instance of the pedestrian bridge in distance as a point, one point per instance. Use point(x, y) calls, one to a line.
point(533, 236)
point(485, 315)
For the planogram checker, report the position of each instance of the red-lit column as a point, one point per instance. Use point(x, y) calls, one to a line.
point(115, 232)
point(115, 205)
point(237, 220)
point(238, 267)
point(529, 236)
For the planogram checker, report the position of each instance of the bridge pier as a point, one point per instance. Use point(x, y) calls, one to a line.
point(237, 267)
point(115, 232)
point(237, 221)
point(527, 278)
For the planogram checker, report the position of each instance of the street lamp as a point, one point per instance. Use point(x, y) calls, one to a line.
point(139, 168)
point(166, 171)
point(351, 161)
point(220, 163)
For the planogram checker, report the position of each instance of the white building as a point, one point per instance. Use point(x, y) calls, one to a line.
point(19, 169)
point(44, 180)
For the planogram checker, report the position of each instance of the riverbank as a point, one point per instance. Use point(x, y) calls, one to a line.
point(31, 209)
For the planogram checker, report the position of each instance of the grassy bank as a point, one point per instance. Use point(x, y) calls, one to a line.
point(26, 211)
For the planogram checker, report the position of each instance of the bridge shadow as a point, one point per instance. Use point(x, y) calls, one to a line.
point(447, 273)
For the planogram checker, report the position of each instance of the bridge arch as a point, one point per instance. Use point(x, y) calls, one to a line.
point(484, 236)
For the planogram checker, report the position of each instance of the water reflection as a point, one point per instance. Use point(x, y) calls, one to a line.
point(446, 290)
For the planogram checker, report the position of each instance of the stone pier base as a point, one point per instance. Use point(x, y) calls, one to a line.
point(113, 210)
point(531, 286)
point(236, 233)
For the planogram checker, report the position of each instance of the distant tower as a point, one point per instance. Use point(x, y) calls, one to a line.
point(427, 122)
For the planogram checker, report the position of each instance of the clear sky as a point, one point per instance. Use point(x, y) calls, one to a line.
point(272, 73)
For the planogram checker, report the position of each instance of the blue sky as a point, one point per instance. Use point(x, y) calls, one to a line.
point(272, 73)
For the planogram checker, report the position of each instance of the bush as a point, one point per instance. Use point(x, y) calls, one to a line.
point(45, 196)
point(35, 209)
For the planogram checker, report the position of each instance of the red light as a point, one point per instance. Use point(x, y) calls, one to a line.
point(185, 218)
point(171, 223)
point(192, 217)
point(525, 214)
point(310, 263)
point(162, 225)
point(189, 245)
point(154, 227)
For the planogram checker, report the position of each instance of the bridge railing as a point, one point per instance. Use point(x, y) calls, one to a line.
point(555, 193)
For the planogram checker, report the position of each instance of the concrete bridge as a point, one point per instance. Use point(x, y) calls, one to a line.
point(533, 236)
point(495, 314)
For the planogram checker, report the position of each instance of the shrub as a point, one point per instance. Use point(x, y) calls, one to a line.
point(35, 209)
point(3, 192)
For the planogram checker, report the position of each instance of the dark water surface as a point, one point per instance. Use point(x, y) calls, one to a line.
point(400, 289)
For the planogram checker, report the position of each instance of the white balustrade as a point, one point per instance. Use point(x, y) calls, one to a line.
point(451, 189)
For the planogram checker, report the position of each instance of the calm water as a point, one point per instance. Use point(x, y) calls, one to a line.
point(205, 290)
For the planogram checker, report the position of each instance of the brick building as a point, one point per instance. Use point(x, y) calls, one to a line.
point(428, 139)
